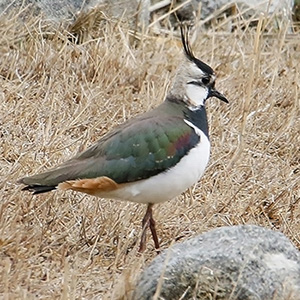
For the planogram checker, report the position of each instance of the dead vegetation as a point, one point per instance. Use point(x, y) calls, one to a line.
point(58, 97)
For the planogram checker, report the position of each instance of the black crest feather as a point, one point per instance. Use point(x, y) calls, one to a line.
point(189, 53)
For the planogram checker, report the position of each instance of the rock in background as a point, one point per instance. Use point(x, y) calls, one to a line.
point(63, 10)
point(239, 262)
point(139, 11)
point(211, 8)
point(259, 6)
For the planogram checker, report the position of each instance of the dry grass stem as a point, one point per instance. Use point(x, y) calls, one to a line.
point(58, 97)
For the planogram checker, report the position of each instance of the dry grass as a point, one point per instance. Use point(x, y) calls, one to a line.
point(58, 97)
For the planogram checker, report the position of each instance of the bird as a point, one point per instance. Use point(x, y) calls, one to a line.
point(150, 158)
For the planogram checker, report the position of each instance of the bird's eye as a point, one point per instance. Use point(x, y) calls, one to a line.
point(205, 80)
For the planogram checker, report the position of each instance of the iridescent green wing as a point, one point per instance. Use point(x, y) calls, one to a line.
point(140, 151)
point(136, 151)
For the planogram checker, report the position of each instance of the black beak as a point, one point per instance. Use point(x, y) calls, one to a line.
point(215, 93)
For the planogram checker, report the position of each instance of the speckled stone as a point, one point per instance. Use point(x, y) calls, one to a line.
point(66, 10)
point(239, 262)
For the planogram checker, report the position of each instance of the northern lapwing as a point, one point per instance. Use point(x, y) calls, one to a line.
point(151, 158)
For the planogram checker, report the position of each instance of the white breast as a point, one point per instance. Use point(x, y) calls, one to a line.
point(171, 183)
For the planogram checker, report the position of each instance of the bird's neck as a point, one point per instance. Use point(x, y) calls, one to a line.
point(197, 116)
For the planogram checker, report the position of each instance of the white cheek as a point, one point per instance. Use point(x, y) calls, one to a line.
point(196, 94)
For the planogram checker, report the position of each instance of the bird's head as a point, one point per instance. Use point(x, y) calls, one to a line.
point(195, 80)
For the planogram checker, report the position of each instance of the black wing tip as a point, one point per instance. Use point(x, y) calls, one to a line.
point(33, 187)
point(38, 189)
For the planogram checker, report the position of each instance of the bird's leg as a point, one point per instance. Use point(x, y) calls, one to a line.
point(145, 225)
point(148, 221)
point(153, 231)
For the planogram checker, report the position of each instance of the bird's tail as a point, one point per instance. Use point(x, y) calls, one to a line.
point(71, 170)
point(41, 183)
point(47, 181)
point(38, 189)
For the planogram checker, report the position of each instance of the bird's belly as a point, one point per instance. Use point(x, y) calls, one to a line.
point(170, 183)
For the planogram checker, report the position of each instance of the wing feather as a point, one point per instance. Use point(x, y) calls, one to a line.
point(134, 152)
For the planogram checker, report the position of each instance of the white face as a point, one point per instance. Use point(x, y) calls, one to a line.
point(192, 84)
point(196, 94)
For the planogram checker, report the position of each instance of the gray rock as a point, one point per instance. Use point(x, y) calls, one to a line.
point(138, 11)
point(239, 262)
point(52, 9)
point(209, 7)
point(62, 10)
point(253, 7)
